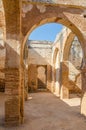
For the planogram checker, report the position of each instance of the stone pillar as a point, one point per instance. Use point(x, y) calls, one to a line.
point(64, 80)
point(12, 105)
point(53, 80)
point(83, 98)
point(49, 77)
point(57, 84)
point(64, 93)
point(12, 80)
point(26, 84)
point(22, 85)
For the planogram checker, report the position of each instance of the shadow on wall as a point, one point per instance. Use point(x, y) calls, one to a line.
point(10, 58)
point(37, 59)
point(38, 79)
point(71, 84)
point(12, 69)
point(11, 81)
point(42, 77)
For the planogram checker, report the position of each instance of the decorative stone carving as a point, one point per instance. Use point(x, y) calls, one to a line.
point(26, 8)
point(42, 8)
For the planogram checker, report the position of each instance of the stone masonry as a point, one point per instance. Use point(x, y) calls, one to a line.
point(18, 18)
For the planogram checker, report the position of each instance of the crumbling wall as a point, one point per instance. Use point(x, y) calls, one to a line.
point(71, 60)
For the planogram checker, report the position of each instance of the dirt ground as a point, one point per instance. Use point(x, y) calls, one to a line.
point(44, 111)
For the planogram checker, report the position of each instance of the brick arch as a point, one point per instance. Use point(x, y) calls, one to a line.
point(33, 20)
point(48, 17)
point(65, 16)
point(45, 21)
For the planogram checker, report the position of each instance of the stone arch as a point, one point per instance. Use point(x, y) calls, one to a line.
point(67, 46)
point(49, 20)
point(56, 71)
point(60, 15)
point(66, 22)
point(66, 16)
point(27, 28)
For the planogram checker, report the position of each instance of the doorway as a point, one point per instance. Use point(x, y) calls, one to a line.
point(42, 77)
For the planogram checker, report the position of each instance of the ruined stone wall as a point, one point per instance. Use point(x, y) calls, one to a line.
point(57, 56)
point(22, 22)
point(70, 62)
point(71, 77)
point(39, 52)
point(39, 55)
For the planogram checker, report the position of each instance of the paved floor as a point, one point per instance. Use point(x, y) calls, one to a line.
point(44, 111)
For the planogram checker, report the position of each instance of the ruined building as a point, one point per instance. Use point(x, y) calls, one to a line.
point(32, 66)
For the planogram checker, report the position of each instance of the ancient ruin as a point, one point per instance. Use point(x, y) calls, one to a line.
point(28, 66)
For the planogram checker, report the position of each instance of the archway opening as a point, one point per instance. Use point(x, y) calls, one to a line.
point(41, 77)
point(51, 54)
point(55, 68)
point(40, 52)
point(75, 66)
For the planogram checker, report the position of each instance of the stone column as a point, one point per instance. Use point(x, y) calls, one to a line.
point(64, 93)
point(64, 80)
point(13, 109)
point(53, 79)
point(12, 104)
point(26, 84)
point(83, 98)
point(58, 81)
point(49, 77)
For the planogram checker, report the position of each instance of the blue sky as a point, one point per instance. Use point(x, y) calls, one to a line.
point(46, 32)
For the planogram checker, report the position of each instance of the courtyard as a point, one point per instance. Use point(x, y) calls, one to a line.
point(45, 111)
